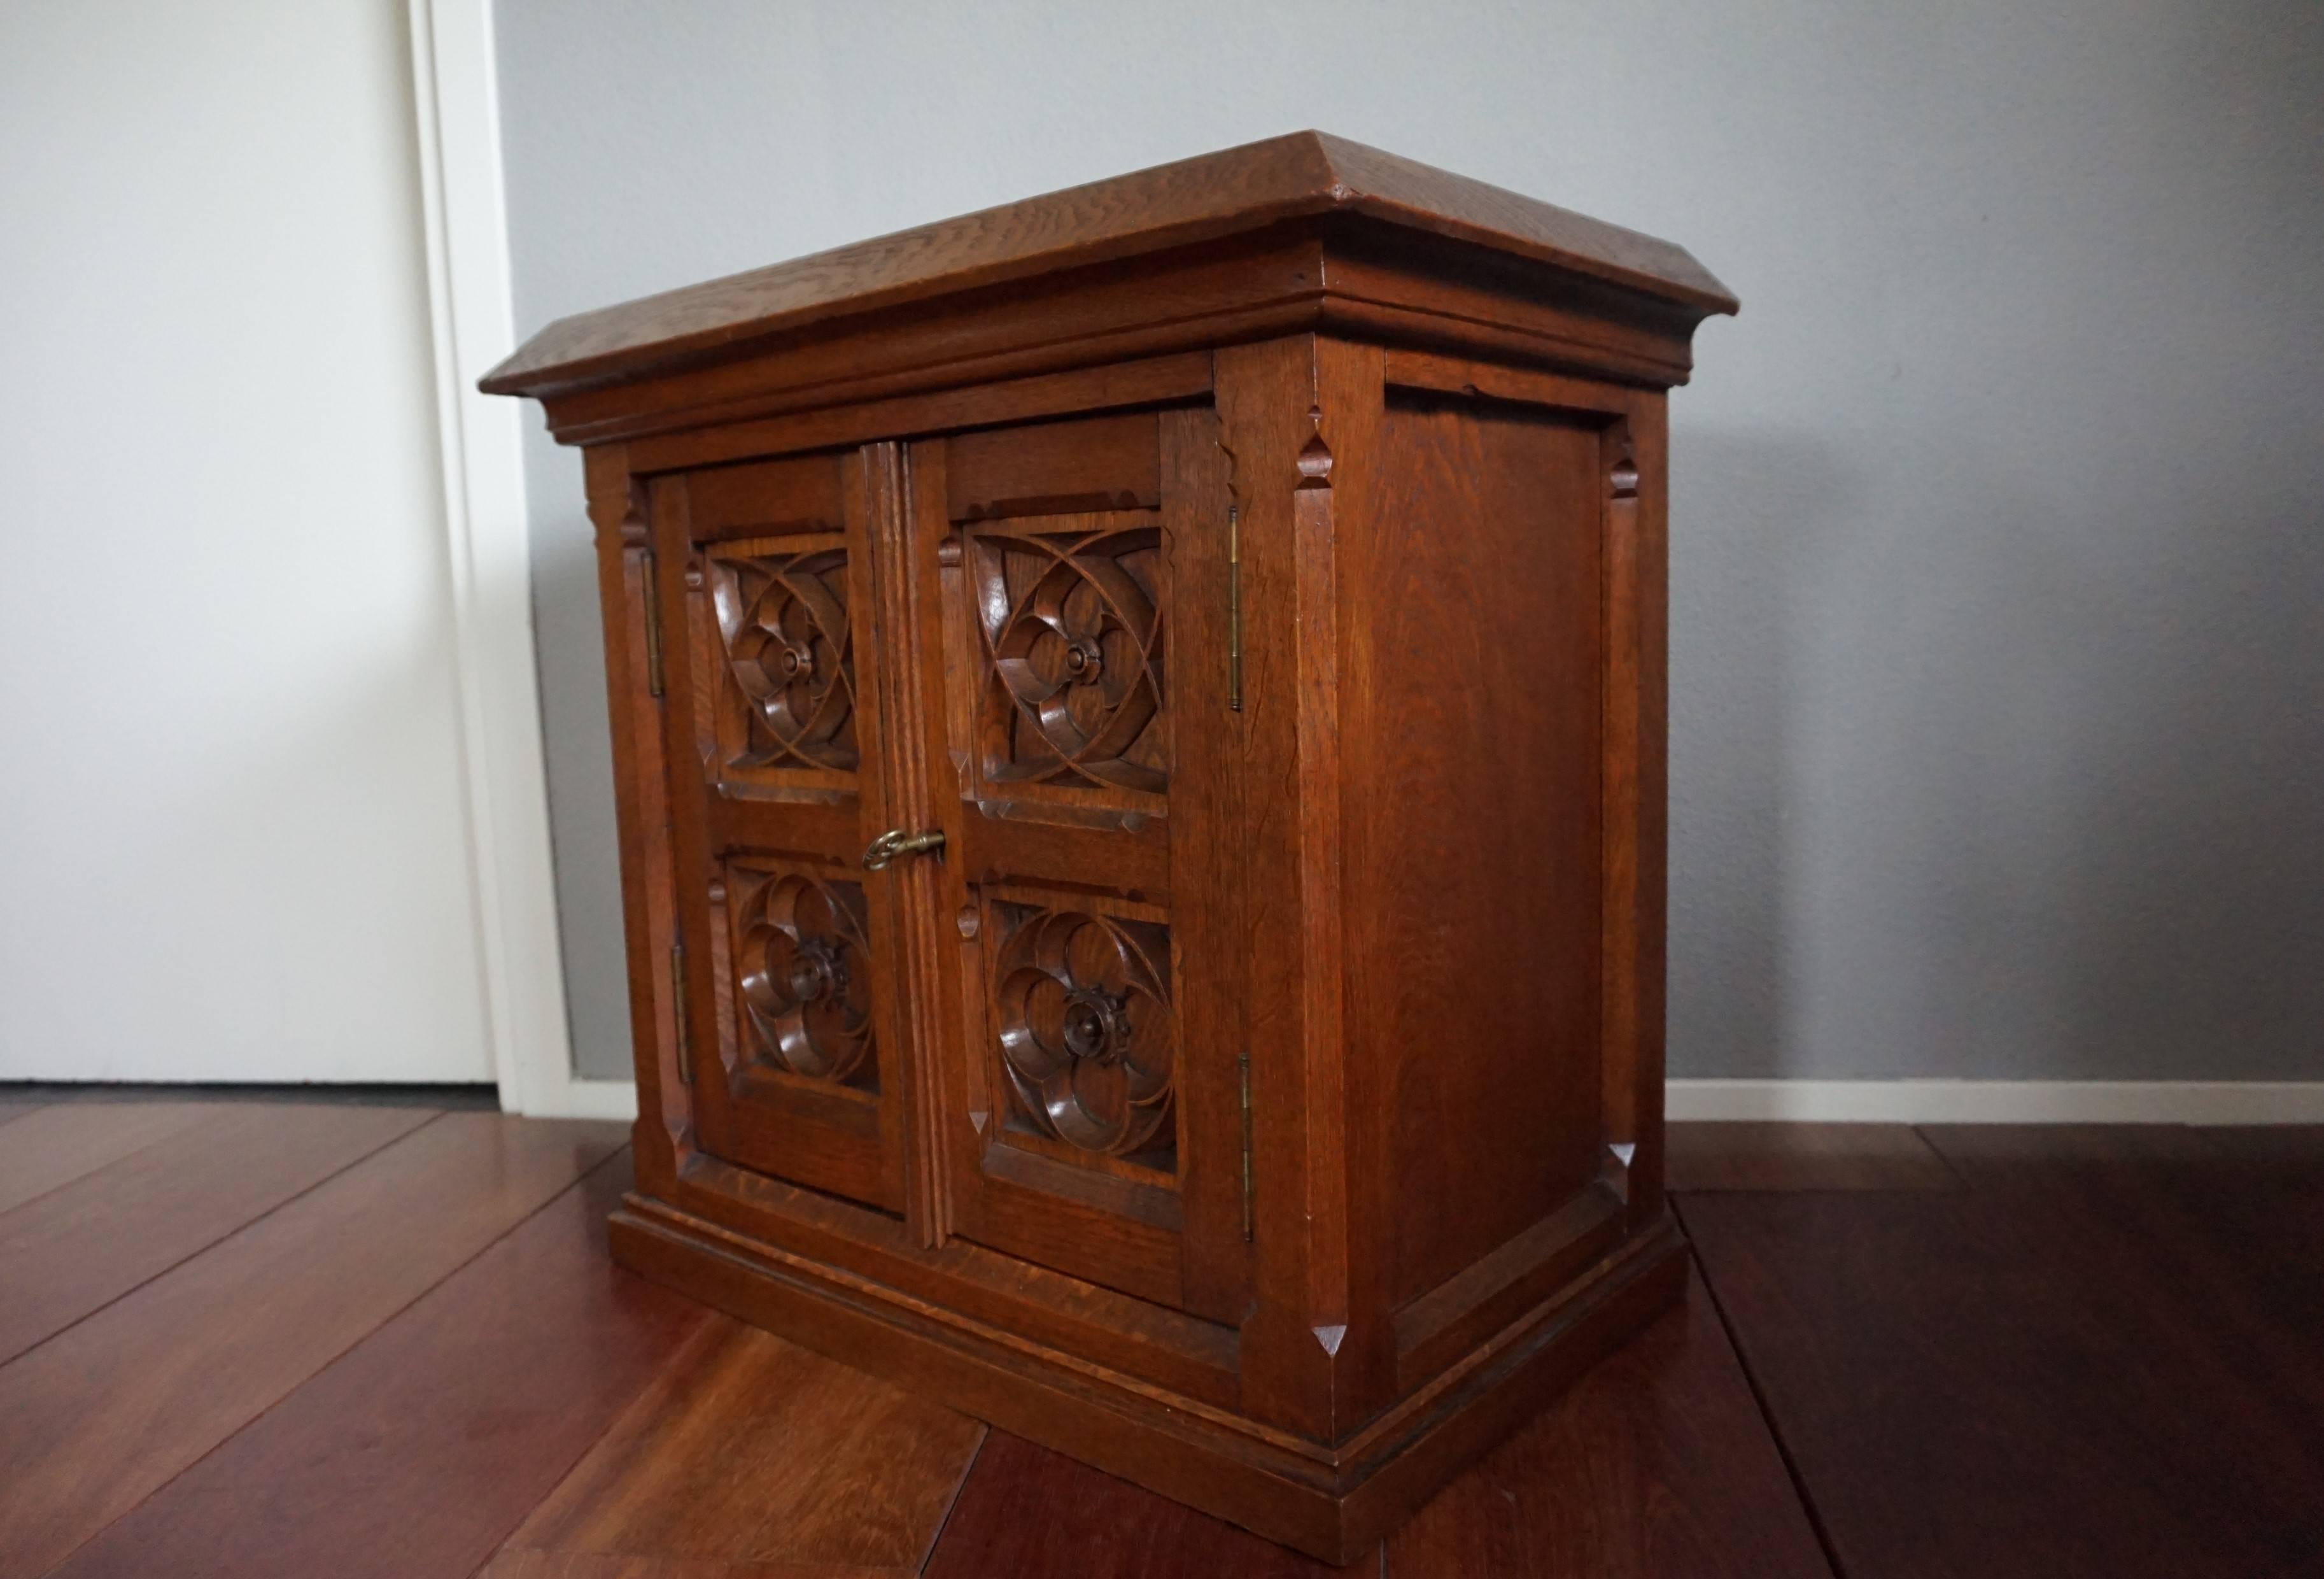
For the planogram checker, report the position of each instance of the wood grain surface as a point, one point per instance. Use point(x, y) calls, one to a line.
point(749, 1449)
point(1803, 1157)
point(1656, 1463)
point(414, 1453)
point(2095, 1353)
point(80, 1247)
point(49, 1146)
point(2099, 1358)
point(98, 1418)
point(1236, 190)
point(1028, 1513)
point(594, 1565)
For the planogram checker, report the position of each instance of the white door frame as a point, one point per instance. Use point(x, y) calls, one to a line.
point(455, 94)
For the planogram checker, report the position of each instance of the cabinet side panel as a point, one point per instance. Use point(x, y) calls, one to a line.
point(1473, 807)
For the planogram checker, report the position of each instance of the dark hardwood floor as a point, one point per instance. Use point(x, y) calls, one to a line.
point(273, 1335)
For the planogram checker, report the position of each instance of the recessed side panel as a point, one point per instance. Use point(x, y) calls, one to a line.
point(1474, 648)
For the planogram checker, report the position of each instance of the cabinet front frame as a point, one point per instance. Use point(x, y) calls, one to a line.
point(1195, 1354)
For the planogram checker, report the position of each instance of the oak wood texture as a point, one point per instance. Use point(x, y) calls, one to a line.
point(49, 1146)
point(1299, 234)
point(1483, 662)
point(100, 1416)
point(84, 1244)
point(1751, 1156)
point(415, 1453)
point(2101, 1357)
point(1243, 585)
point(751, 1450)
point(1249, 188)
point(764, 576)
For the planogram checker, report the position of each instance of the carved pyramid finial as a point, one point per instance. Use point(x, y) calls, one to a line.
point(1315, 455)
point(1623, 480)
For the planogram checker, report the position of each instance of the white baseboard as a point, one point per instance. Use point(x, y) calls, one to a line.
point(574, 1097)
point(1870, 1102)
point(2002, 1102)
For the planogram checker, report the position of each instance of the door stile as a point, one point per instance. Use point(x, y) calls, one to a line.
point(692, 970)
point(1206, 870)
point(960, 1107)
point(664, 1135)
point(878, 497)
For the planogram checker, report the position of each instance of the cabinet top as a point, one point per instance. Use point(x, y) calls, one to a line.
point(1303, 175)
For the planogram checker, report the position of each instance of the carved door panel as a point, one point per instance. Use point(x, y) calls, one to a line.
point(1087, 1084)
point(788, 962)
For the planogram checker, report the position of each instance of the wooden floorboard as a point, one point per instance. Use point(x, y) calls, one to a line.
point(461, 1097)
point(1656, 1465)
point(256, 1351)
point(415, 1454)
point(751, 1450)
point(98, 1418)
point(2102, 1357)
point(592, 1565)
point(1743, 1156)
point(77, 1249)
point(50, 1147)
point(1027, 1511)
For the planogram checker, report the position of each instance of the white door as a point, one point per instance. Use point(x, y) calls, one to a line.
point(235, 838)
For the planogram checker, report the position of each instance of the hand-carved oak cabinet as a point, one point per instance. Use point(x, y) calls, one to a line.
point(1139, 723)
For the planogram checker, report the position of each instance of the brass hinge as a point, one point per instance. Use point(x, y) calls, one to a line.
point(1234, 616)
point(1242, 1068)
point(677, 1011)
point(653, 625)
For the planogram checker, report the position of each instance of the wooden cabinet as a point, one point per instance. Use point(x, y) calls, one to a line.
point(1138, 720)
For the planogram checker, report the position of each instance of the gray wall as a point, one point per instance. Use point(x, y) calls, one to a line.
point(1998, 715)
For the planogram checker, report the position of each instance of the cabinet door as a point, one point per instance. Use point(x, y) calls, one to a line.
point(1088, 1077)
point(789, 960)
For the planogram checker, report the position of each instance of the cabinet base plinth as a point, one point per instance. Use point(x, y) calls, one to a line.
point(1334, 1503)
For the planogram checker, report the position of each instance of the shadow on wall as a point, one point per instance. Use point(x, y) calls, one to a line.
point(585, 836)
point(1751, 516)
point(1972, 784)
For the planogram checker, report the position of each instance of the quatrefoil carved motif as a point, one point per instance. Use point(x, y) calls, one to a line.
point(1073, 651)
point(789, 651)
point(803, 974)
point(1083, 1011)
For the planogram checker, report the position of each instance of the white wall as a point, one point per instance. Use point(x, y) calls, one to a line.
point(233, 835)
point(1998, 672)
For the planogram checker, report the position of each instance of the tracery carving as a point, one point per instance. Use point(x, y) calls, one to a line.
point(1071, 628)
point(791, 658)
point(1082, 1002)
point(803, 974)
